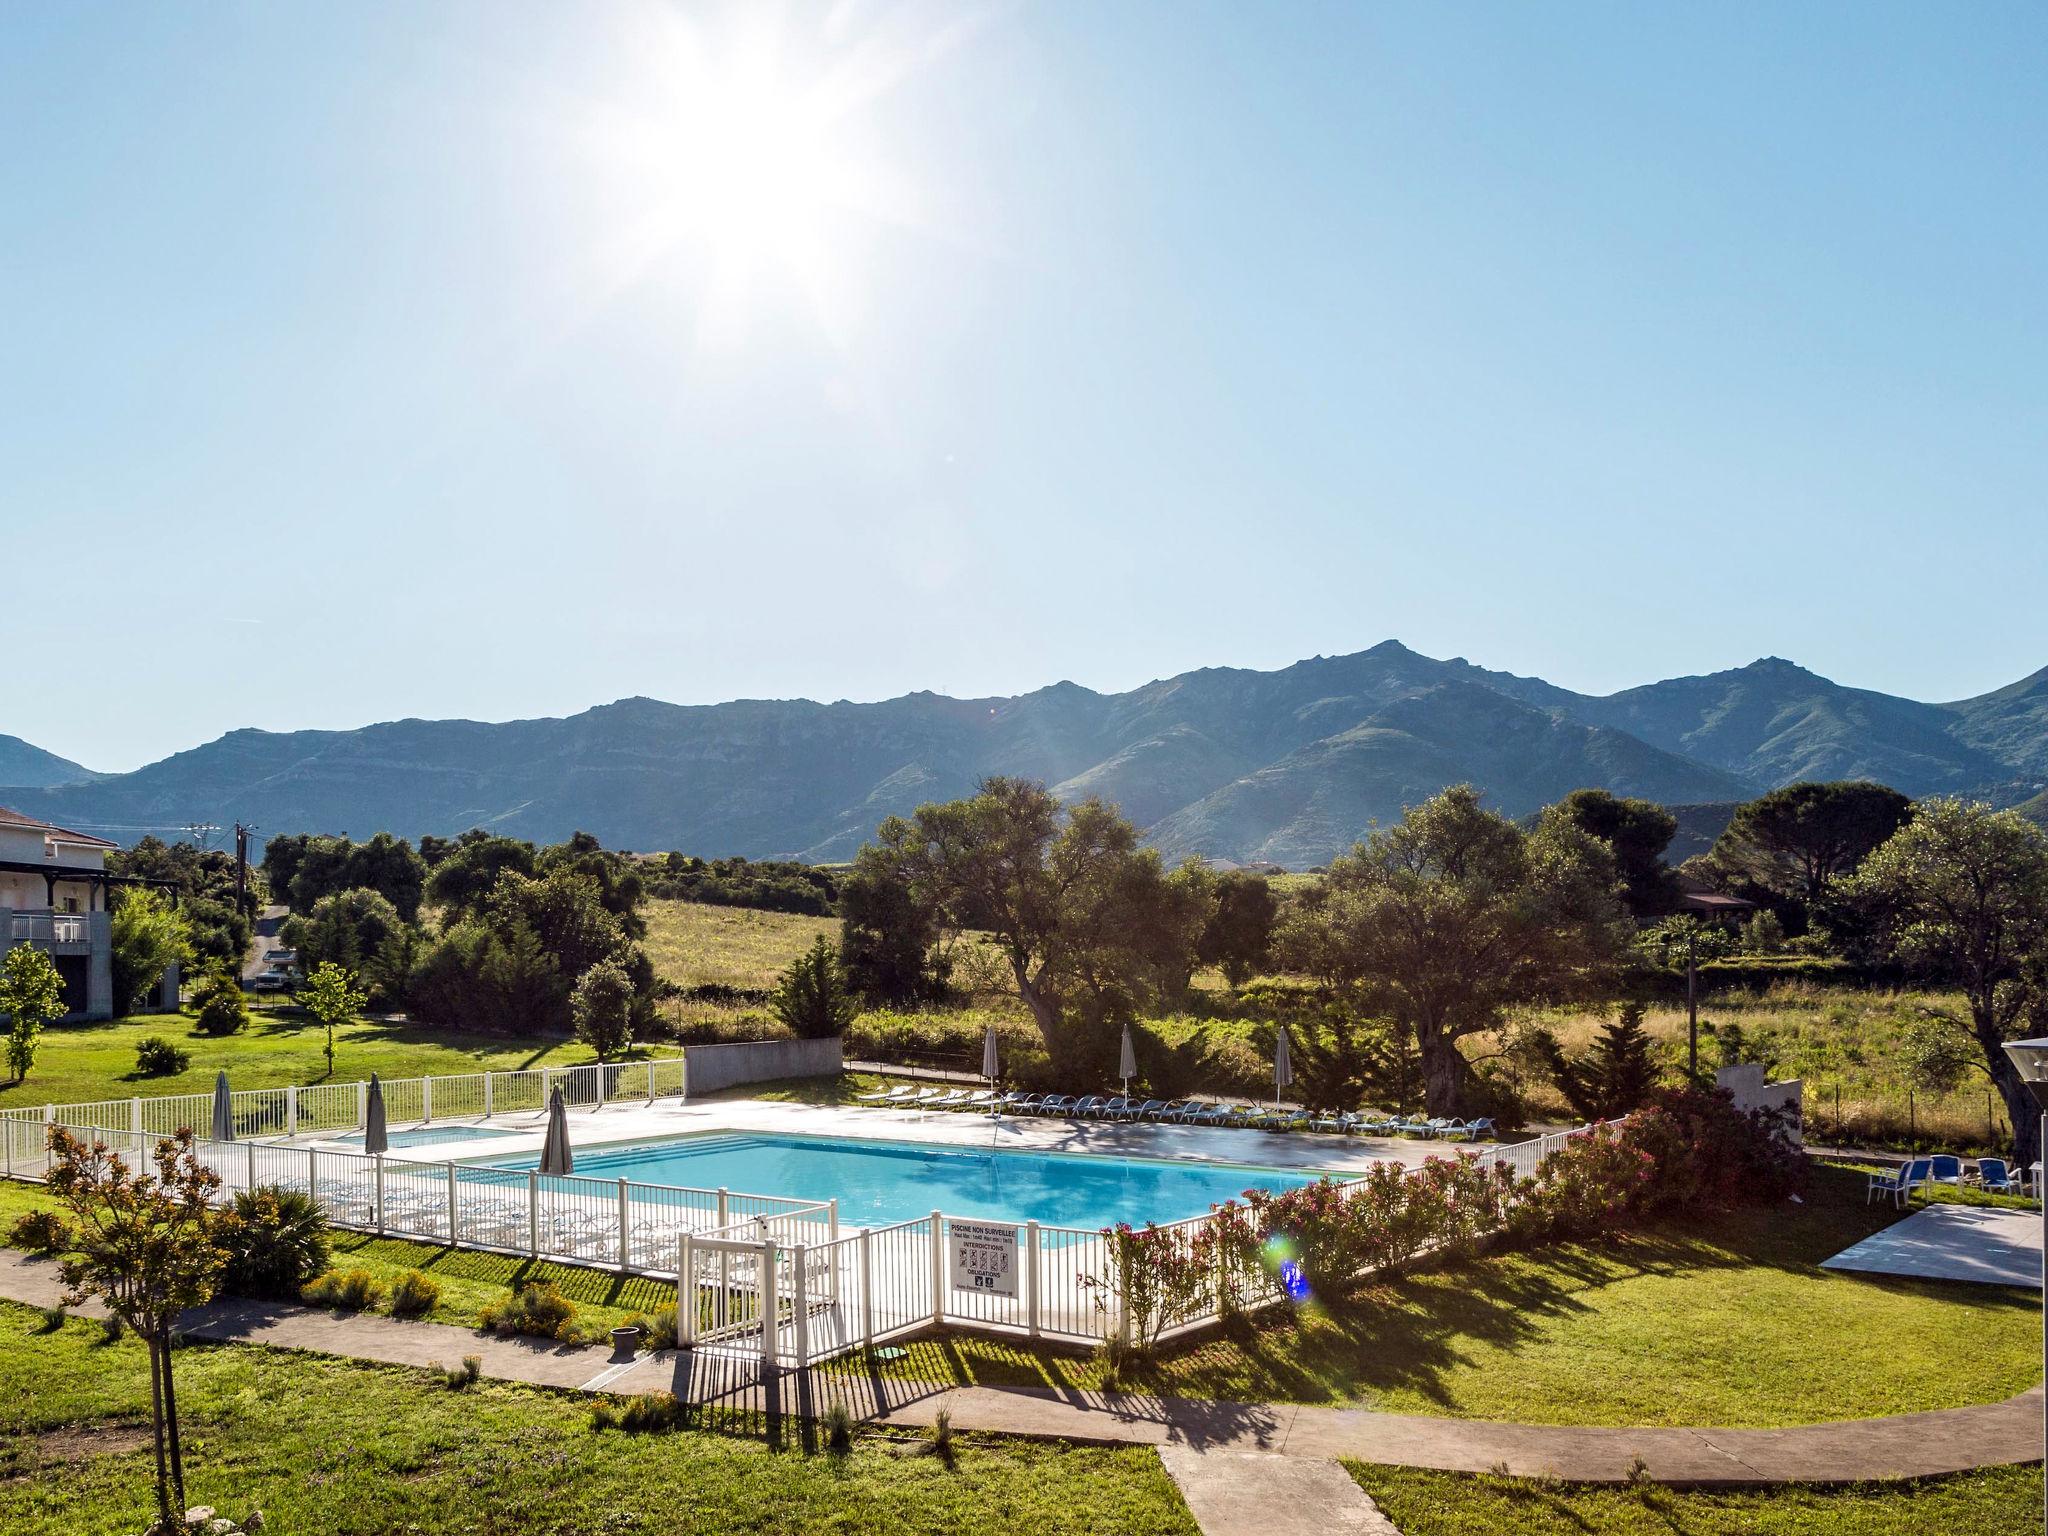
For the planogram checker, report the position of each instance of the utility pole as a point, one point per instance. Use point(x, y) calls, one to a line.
point(242, 866)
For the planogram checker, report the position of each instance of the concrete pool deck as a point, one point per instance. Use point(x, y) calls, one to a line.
point(1982, 1244)
point(631, 1121)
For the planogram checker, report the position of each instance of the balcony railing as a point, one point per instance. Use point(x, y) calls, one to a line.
point(56, 928)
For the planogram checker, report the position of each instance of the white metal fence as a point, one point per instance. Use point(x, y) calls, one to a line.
point(767, 1277)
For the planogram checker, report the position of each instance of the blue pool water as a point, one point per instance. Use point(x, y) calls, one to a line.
point(878, 1182)
point(427, 1135)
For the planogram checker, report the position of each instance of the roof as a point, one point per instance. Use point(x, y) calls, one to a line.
point(23, 823)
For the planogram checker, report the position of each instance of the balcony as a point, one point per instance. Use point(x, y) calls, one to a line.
point(49, 928)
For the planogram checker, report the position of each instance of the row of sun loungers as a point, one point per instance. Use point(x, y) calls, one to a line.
point(1178, 1112)
point(1991, 1173)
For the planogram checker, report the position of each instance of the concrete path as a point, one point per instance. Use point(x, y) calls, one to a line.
point(1256, 1493)
point(1992, 1245)
point(730, 1393)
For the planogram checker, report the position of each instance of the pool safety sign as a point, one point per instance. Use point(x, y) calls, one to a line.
point(984, 1257)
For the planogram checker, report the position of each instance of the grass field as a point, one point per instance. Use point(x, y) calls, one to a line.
point(1716, 1321)
point(2000, 1501)
point(695, 945)
point(332, 1448)
point(82, 1062)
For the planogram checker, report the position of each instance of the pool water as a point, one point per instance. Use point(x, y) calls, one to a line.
point(428, 1135)
point(879, 1182)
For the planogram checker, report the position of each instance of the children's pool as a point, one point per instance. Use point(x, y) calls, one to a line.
point(879, 1182)
point(433, 1135)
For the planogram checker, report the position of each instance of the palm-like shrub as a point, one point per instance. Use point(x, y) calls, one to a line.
point(277, 1242)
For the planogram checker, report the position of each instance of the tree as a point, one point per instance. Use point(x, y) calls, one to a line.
point(602, 1004)
point(145, 1245)
point(1614, 1076)
point(620, 888)
point(1636, 832)
point(359, 930)
point(222, 1010)
point(203, 880)
point(1445, 921)
point(1066, 898)
point(463, 881)
point(149, 937)
point(1790, 843)
point(31, 995)
point(1960, 894)
point(888, 938)
point(331, 996)
point(389, 866)
point(1238, 937)
point(812, 997)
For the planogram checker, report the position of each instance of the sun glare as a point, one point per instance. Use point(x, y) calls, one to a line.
point(746, 157)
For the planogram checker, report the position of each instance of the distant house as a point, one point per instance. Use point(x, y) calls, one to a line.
point(53, 894)
point(1703, 901)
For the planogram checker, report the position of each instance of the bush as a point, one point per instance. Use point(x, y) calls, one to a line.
point(414, 1295)
point(812, 999)
point(356, 1291)
point(157, 1057)
point(276, 1241)
point(649, 1413)
point(657, 1329)
point(222, 1008)
point(460, 1378)
point(537, 1310)
point(41, 1232)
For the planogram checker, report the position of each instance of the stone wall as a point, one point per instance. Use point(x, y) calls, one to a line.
point(708, 1068)
point(1746, 1083)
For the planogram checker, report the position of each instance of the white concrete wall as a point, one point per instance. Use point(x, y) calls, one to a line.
point(708, 1068)
point(1746, 1084)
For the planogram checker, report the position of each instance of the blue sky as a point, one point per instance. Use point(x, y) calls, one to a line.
point(500, 359)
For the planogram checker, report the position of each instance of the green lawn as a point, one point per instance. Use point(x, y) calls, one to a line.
point(2001, 1501)
point(331, 1448)
point(83, 1062)
point(1713, 1321)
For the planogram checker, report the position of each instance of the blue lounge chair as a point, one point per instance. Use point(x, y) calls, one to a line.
point(1899, 1184)
point(1092, 1105)
point(1211, 1114)
point(1118, 1108)
point(1945, 1168)
point(1477, 1130)
point(1151, 1109)
point(1995, 1174)
point(1055, 1104)
point(1176, 1110)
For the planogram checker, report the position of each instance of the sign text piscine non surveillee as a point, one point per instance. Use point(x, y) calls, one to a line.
point(984, 1257)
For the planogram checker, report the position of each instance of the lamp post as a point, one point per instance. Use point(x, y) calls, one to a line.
point(2030, 1058)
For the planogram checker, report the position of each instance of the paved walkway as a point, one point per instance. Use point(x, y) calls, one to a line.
point(1256, 1493)
point(728, 1393)
point(1991, 1245)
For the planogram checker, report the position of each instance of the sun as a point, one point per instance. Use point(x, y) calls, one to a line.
point(742, 159)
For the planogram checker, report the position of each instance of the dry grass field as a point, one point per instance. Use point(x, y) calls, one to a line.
point(695, 945)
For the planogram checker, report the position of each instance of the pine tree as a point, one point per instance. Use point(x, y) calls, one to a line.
point(1614, 1076)
point(812, 998)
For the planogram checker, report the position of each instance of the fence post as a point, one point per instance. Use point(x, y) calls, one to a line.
point(379, 1192)
point(362, 1104)
point(313, 1174)
point(547, 1081)
point(938, 1267)
point(801, 1311)
point(686, 1292)
point(650, 1080)
point(135, 1117)
point(604, 1081)
point(832, 1239)
point(533, 1214)
point(1031, 1277)
point(625, 1229)
point(769, 1326)
point(454, 1210)
point(249, 1179)
point(867, 1291)
point(487, 1095)
point(723, 1217)
point(426, 1099)
point(291, 1111)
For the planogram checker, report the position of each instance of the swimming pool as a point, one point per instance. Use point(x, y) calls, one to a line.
point(428, 1135)
point(879, 1182)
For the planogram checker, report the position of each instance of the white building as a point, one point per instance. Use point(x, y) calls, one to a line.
point(53, 895)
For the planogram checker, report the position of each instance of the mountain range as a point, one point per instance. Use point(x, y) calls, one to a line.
point(1286, 767)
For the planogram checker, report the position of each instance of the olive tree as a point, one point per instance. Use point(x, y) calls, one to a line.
point(1447, 920)
point(31, 995)
point(1960, 894)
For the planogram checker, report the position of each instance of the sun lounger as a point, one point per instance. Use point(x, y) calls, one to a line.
point(1945, 1168)
point(1088, 1106)
point(1149, 1110)
point(1338, 1123)
point(1054, 1104)
point(985, 1099)
point(1211, 1114)
point(1476, 1130)
point(892, 1096)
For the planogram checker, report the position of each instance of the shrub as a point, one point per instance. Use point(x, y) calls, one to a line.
point(812, 999)
point(113, 1328)
point(838, 1423)
point(650, 1413)
point(53, 1318)
point(157, 1057)
point(657, 1329)
point(276, 1241)
point(1155, 1277)
point(414, 1295)
point(222, 1008)
point(355, 1291)
point(41, 1232)
point(460, 1378)
point(535, 1311)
